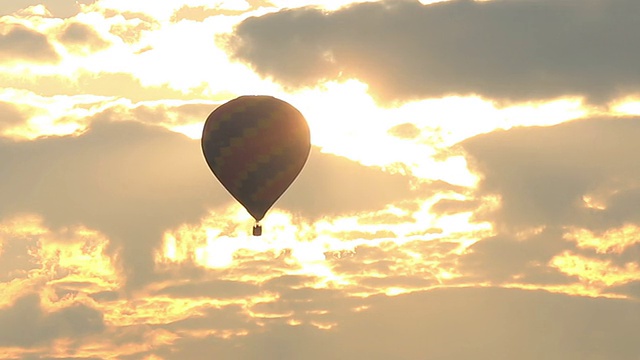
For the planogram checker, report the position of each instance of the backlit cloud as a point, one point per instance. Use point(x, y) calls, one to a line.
point(404, 50)
point(19, 44)
point(466, 195)
point(543, 175)
point(81, 37)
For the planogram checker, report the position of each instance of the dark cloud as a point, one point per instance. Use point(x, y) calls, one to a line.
point(514, 50)
point(631, 289)
point(20, 44)
point(82, 37)
point(17, 257)
point(503, 259)
point(307, 304)
point(105, 296)
point(447, 324)
point(288, 281)
point(623, 204)
point(64, 288)
point(26, 324)
point(336, 185)
point(542, 173)
point(218, 289)
point(231, 317)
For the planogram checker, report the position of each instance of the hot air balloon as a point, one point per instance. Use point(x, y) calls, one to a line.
point(256, 146)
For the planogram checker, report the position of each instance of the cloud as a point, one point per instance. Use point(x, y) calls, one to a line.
point(565, 189)
point(16, 255)
point(503, 259)
point(81, 37)
point(231, 317)
point(116, 84)
point(511, 50)
point(336, 185)
point(19, 44)
point(200, 13)
point(376, 268)
point(542, 174)
point(164, 114)
point(485, 323)
point(134, 25)
point(132, 182)
point(127, 180)
point(217, 289)
point(451, 206)
point(12, 115)
point(26, 324)
point(58, 8)
point(405, 131)
point(105, 296)
point(631, 289)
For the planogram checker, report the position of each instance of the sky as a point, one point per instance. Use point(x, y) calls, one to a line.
point(472, 192)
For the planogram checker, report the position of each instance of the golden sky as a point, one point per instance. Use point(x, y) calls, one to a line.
point(472, 192)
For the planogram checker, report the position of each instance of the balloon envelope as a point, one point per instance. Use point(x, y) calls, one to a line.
point(256, 146)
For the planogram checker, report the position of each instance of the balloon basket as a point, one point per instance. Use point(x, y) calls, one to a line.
point(257, 230)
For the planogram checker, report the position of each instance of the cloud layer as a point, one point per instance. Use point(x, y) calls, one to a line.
point(544, 175)
point(116, 240)
point(508, 50)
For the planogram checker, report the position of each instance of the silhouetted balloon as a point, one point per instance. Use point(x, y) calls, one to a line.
point(256, 146)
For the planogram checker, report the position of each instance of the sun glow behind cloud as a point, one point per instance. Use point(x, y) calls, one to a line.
point(222, 242)
point(52, 116)
point(212, 281)
point(345, 120)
